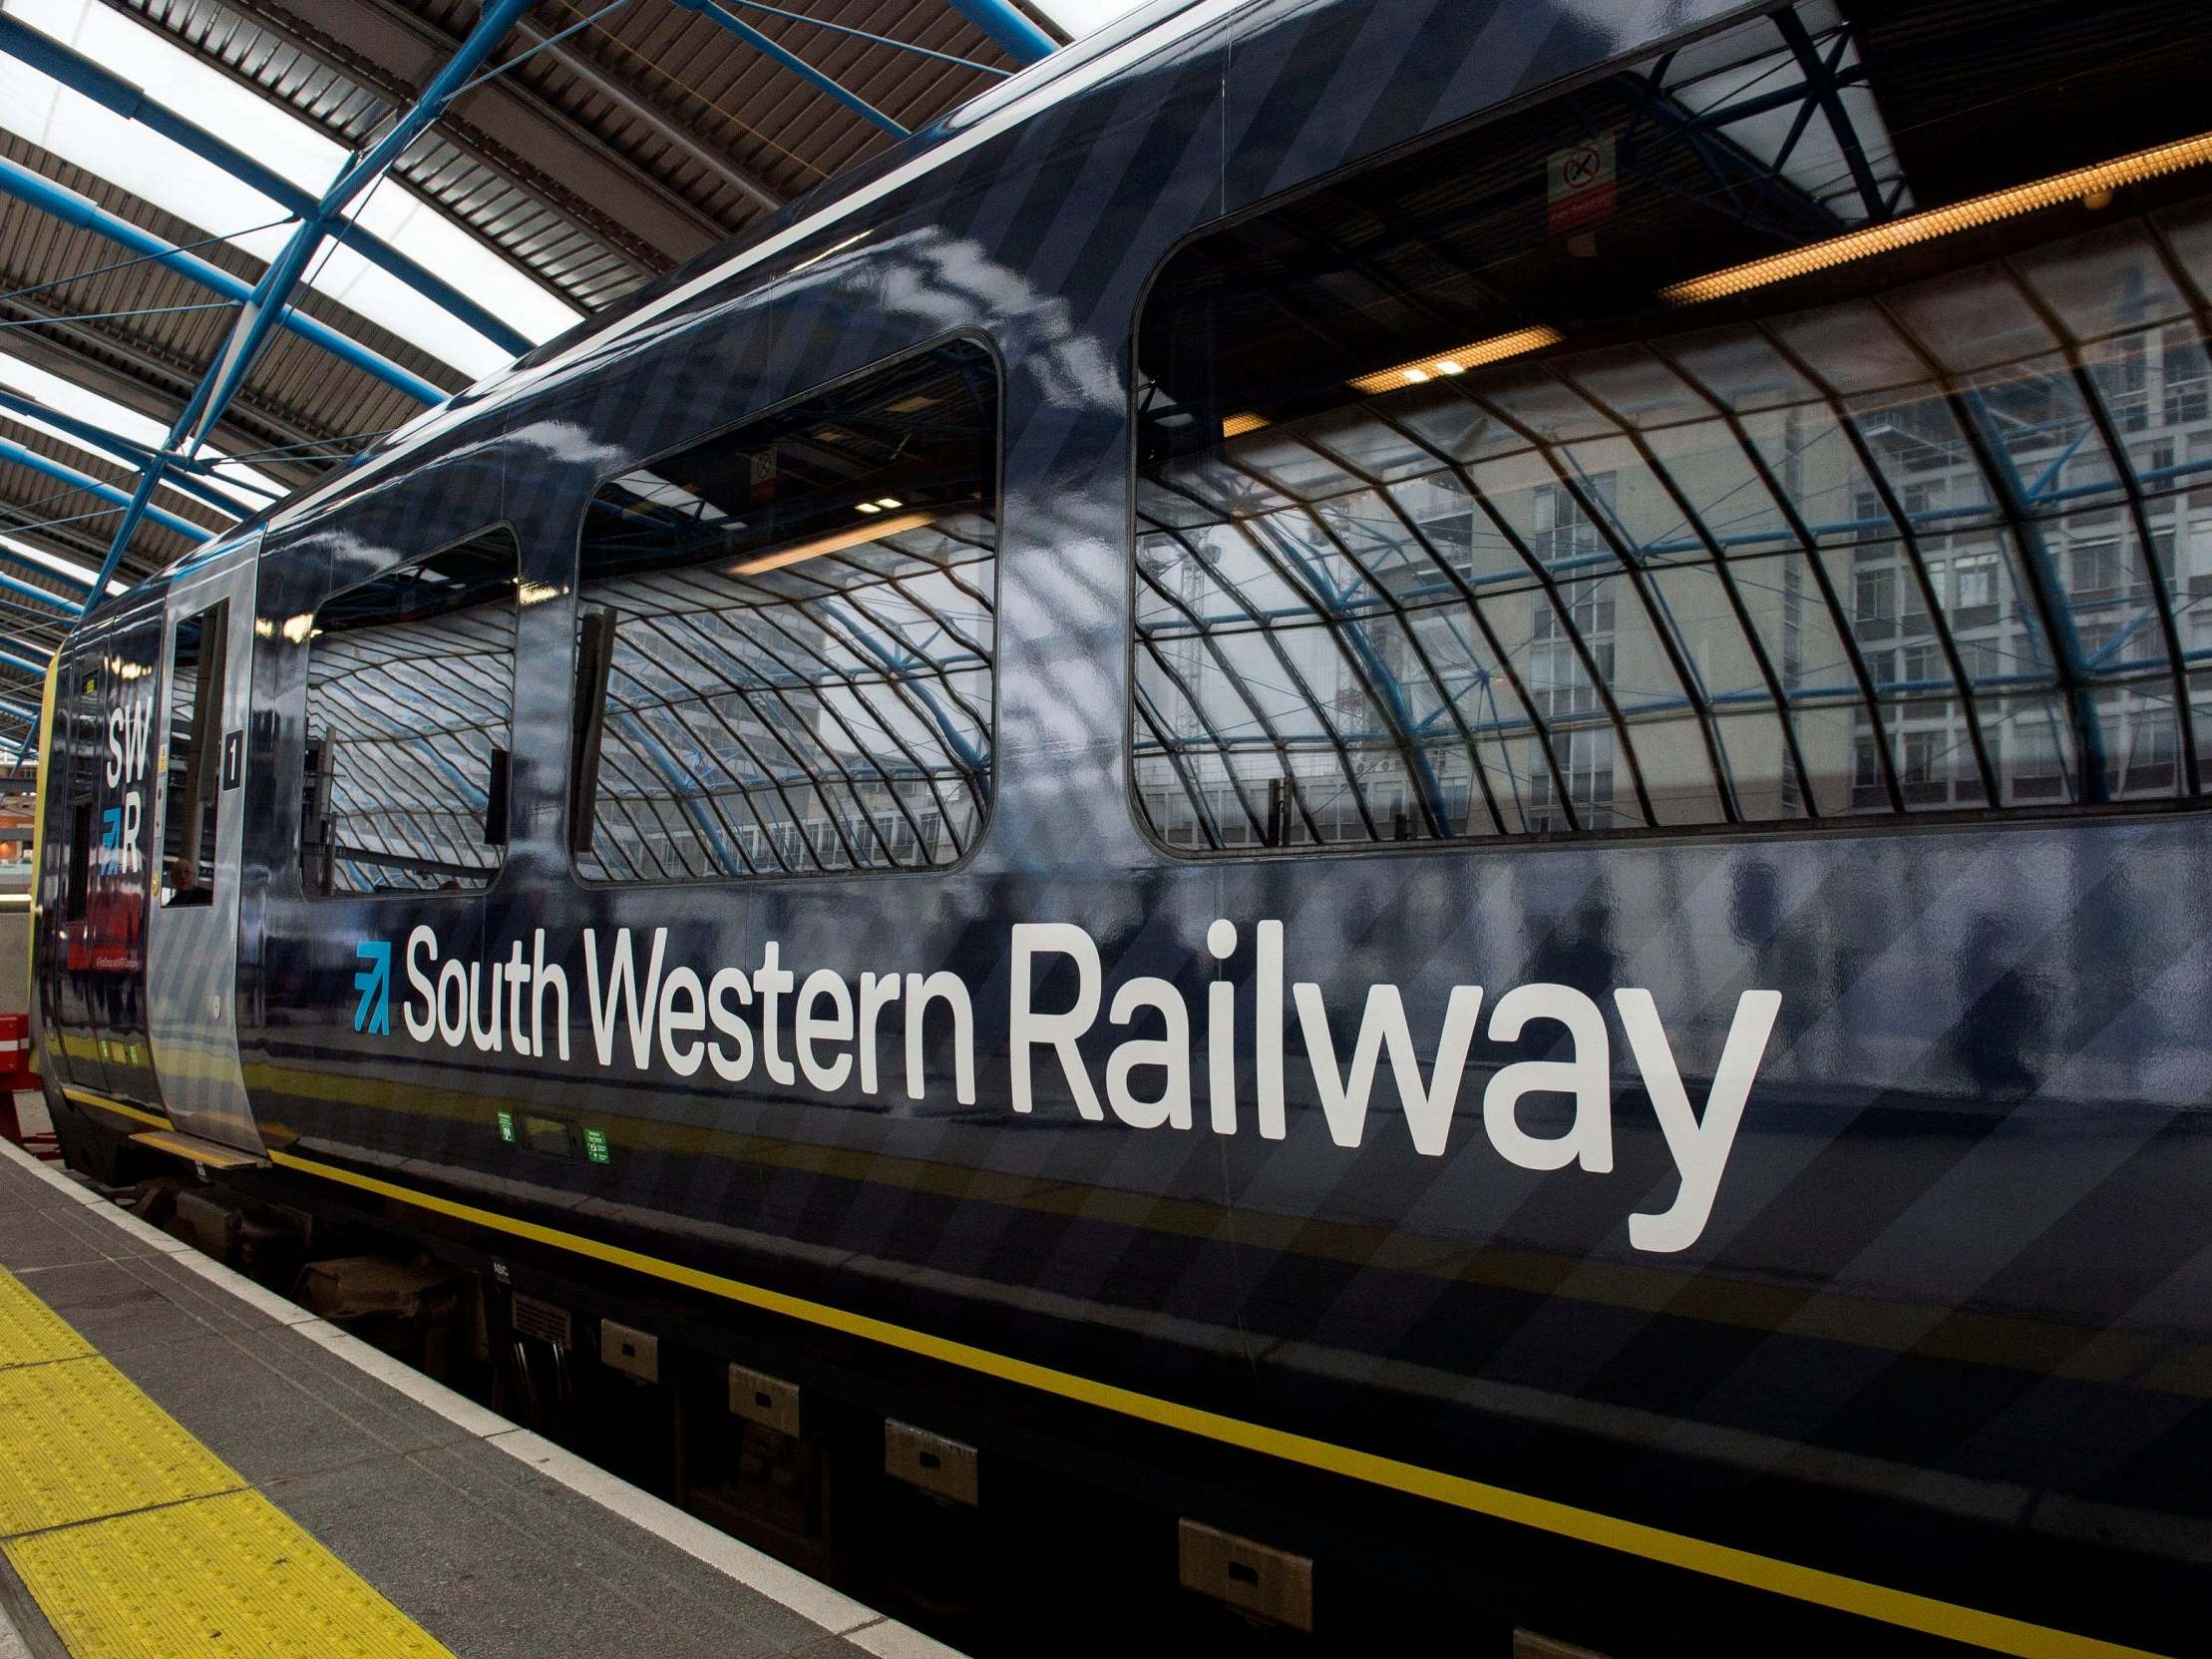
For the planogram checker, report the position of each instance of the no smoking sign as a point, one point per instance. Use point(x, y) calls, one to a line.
point(1579, 184)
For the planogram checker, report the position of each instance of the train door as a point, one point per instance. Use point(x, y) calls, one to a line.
point(192, 949)
point(70, 851)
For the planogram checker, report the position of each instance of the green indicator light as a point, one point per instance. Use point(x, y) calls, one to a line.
point(594, 1145)
point(507, 1128)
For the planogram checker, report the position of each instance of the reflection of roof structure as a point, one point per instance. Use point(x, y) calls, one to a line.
point(1926, 547)
point(799, 658)
point(248, 240)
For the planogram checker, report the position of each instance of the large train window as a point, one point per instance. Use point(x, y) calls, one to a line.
point(194, 793)
point(410, 701)
point(1760, 434)
point(785, 638)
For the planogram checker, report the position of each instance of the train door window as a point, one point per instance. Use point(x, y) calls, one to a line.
point(1680, 453)
point(193, 787)
point(77, 769)
point(785, 638)
point(76, 879)
point(410, 701)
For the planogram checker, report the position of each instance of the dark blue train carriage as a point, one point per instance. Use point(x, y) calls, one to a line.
point(1424, 778)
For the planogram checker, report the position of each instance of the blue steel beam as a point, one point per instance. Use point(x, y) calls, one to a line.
point(8, 658)
point(36, 190)
point(68, 607)
point(858, 34)
point(127, 450)
point(11, 451)
point(1015, 34)
point(270, 299)
point(792, 60)
point(8, 556)
point(272, 295)
point(79, 73)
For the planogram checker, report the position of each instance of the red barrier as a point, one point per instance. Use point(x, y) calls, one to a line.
point(16, 1076)
point(15, 1052)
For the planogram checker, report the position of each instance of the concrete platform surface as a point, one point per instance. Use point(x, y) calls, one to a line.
point(480, 1537)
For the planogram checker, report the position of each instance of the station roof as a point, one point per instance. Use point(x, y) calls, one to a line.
point(371, 205)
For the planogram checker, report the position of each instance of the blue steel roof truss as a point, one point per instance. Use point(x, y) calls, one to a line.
point(266, 304)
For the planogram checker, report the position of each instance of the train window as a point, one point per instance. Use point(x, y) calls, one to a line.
point(785, 638)
point(1700, 447)
point(410, 701)
point(76, 879)
point(193, 791)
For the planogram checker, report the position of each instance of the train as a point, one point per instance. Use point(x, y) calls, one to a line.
point(1416, 783)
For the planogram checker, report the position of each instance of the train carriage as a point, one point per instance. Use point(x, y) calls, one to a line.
point(1415, 779)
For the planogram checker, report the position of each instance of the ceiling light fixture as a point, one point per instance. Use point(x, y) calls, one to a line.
point(2080, 184)
point(837, 542)
point(1458, 360)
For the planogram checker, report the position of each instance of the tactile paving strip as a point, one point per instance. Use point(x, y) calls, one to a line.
point(78, 1441)
point(31, 1332)
point(229, 1575)
point(137, 1542)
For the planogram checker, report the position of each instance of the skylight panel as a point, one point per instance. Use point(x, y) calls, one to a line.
point(54, 562)
point(92, 137)
point(1079, 17)
point(67, 398)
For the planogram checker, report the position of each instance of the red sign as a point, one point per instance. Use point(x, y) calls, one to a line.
point(1579, 185)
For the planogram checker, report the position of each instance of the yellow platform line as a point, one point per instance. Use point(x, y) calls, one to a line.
point(31, 1332)
point(137, 1542)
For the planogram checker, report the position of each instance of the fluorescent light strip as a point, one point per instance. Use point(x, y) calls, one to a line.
point(859, 533)
point(1942, 221)
point(1236, 426)
point(1458, 360)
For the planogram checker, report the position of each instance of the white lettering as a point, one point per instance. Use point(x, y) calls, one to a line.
point(731, 1023)
point(1267, 1028)
point(453, 1029)
point(949, 990)
point(486, 1040)
point(1586, 1076)
point(424, 1026)
point(808, 1028)
point(517, 971)
point(624, 999)
point(540, 976)
point(877, 991)
point(772, 982)
point(1026, 1029)
point(1700, 1148)
point(1428, 1109)
point(1171, 1052)
point(682, 1008)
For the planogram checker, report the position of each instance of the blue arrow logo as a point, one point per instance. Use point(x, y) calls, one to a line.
point(375, 984)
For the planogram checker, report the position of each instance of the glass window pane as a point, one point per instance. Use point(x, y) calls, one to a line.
point(784, 636)
point(193, 795)
point(1706, 510)
point(410, 699)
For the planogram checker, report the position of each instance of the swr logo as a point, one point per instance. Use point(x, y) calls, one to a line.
point(374, 982)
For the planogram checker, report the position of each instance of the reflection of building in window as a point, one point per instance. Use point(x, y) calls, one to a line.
point(786, 633)
point(1937, 538)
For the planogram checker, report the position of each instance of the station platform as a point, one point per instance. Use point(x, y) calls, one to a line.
point(192, 1465)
